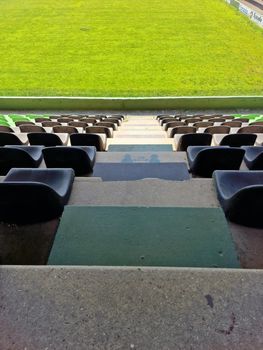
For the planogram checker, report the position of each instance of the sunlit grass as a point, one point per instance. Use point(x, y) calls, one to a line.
point(128, 48)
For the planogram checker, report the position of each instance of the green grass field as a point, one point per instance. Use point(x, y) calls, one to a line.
point(128, 48)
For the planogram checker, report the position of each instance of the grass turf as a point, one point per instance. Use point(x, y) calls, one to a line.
point(128, 48)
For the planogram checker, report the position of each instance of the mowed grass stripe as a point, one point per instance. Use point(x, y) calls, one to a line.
point(128, 48)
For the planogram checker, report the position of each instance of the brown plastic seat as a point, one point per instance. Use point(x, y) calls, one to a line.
point(31, 128)
point(88, 120)
point(203, 124)
point(56, 116)
point(65, 129)
point(100, 116)
point(217, 130)
point(166, 120)
point(212, 116)
point(4, 128)
point(78, 124)
point(173, 124)
point(108, 124)
point(183, 130)
point(253, 129)
point(50, 123)
point(40, 120)
point(228, 117)
point(192, 120)
point(243, 120)
point(232, 124)
point(99, 130)
point(163, 116)
point(114, 120)
point(217, 120)
point(256, 123)
point(65, 120)
point(116, 116)
point(24, 122)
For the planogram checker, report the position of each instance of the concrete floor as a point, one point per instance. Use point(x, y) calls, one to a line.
point(130, 308)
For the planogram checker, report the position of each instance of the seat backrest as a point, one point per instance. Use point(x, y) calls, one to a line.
point(87, 140)
point(217, 120)
point(193, 140)
point(108, 124)
point(28, 203)
point(232, 124)
point(238, 140)
point(44, 139)
point(217, 130)
point(65, 120)
point(183, 130)
point(88, 120)
point(192, 120)
point(255, 129)
point(50, 123)
point(243, 120)
point(203, 124)
point(173, 124)
point(166, 120)
point(14, 158)
point(65, 129)
point(23, 122)
point(9, 139)
point(78, 124)
point(40, 120)
point(114, 120)
point(31, 128)
point(4, 128)
point(68, 157)
point(217, 158)
point(98, 130)
point(256, 123)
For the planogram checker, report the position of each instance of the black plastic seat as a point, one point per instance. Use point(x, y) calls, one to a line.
point(80, 159)
point(19, 157)
point(238, 140)
point(254, 157)
point(87, 140)
point(193, 140)
point(7, 138)
point(240, 194)
point(203, 161)
point(45, 139)
point(29, 196)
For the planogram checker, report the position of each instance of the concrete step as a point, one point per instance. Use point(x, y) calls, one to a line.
point(130, 308)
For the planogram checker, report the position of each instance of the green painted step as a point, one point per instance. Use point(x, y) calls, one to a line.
point(143, 236)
